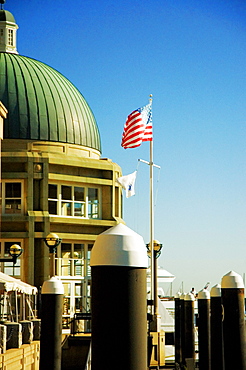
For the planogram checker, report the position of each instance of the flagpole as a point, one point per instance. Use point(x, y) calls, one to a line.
point(131, 138)
point(151, 224)
point(153, 273)
point(154, 266)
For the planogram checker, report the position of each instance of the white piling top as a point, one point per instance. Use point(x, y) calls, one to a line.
point(232, 280)
point(177, 295)
point(215, 291)
point(189, 297)
point(119, 246)
point(203, 294)
point(52, 286)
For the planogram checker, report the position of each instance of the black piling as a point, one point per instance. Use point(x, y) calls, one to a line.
point(182, 327)
point(177, 322)
point(232, 291)
point(119, 305)
point(189, 345)
point(204, 330)
point(51, 324)
point(217, 357)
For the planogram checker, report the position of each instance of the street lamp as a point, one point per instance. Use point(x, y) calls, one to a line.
point(15, 251)
point(52, 241)
point(157, 247)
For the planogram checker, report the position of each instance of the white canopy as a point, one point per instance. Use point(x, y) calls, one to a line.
point(10, 284)
point(163, 276)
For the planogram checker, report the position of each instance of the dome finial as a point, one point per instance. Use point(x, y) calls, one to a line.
point(2, 2)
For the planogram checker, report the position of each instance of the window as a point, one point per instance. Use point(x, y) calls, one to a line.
point(73, 259)
point(66, 203)
point(73, 267)
point(10, 37)
point(92, 203)
point(8, 267)
point(73, 201)
point(1, 36)
point(12, 197)
point(53, 201)
point(76, 299)
point(79, 198)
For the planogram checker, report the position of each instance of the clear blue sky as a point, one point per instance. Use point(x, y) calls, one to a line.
point(191, 55)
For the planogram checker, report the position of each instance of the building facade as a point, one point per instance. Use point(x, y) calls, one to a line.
point(53, 178)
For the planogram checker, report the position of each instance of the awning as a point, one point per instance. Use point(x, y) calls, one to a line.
point(10, 284)
point(163, 276)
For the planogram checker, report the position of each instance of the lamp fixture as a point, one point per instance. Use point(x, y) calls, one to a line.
point(52, 241)
point(157, 246)
point(15, 251)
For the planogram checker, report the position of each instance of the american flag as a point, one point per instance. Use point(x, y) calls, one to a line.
point(138, 127)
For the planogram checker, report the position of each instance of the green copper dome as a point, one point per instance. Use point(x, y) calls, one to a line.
point(6, 16)
point(43, 105)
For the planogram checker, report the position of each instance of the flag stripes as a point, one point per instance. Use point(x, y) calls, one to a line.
point(138, 127)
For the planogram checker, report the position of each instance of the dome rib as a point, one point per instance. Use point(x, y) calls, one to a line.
point(28, 91)
point(43, 104)
point(33, 115)
point(58, 102)
point(52, 101)
point(27, 78)
point(13, 99)
point(68, 122)
point(38, 88)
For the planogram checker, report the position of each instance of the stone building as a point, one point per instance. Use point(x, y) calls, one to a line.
point(53, 176)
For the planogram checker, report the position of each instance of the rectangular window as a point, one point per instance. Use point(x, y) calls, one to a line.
point(65, 255)
point(75, 201)
point(10, 37)
point(78, 297)
point(79, 201)
point(66, 301)
point(78, 255)
point(93, 203)
point(12, 198)
point(66, 206)
point(70, 259)
point(1, 36)
point(66, 192)
point(79, 193)
point(88, 273)
point(53, 208)
point(13, 190)
point(53, 199)
point(52, 191)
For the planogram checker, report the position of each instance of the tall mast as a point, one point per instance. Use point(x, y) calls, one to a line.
point(152, 257)
point(153, 260)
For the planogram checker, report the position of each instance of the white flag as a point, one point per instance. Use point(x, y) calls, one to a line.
point(128, 182)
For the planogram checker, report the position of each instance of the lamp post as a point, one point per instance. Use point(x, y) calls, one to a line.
point(15, 251)
point(157, 246)
point(52, 241)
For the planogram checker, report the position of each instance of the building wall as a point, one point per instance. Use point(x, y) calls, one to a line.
point(35, 165)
